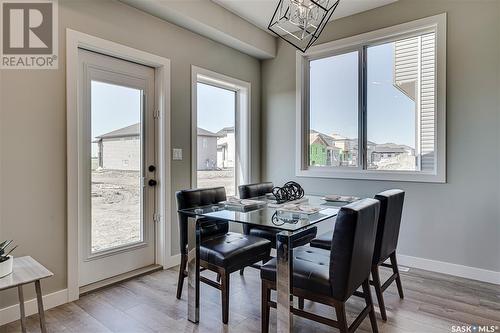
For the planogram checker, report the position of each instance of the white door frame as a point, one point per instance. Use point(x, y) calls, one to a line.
point(243, 123)
point(74, 41)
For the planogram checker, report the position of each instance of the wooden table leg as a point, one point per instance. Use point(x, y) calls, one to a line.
point(41, 313)
point(21, 308)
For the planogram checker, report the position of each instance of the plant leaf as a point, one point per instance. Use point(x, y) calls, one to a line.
point(4, 244)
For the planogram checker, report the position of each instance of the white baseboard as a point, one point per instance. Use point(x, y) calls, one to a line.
point(172, 261)
point(473, 273)
point(11, 313)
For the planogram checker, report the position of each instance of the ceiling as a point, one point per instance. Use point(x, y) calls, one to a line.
point(259, 12)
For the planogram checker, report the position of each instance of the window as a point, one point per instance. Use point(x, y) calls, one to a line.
point(221, 137)
point(373, 106)
point(216, 117)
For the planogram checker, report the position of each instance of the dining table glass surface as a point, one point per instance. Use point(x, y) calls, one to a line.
point(269, 214)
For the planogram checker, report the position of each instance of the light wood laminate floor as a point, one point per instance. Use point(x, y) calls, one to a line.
point(433, 303)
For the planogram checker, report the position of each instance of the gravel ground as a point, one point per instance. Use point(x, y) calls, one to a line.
point(217, 178)
point(116, 208)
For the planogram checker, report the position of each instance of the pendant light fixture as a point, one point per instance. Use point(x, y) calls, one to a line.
point(300, 22)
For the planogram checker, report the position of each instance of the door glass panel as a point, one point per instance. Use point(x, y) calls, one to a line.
point(216, 143)
point(116, 166)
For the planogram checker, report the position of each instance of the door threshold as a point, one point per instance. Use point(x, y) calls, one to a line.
point(119, 278)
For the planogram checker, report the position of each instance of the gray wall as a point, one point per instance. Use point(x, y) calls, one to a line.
point(33, 124)
point(456, 222)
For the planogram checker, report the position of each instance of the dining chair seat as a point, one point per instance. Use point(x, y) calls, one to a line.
point(234, 250)
point(271, 236)
point(323, 241)
point(310, 270)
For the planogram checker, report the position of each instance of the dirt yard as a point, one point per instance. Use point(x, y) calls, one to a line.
point(218, 178)
point(116, 208)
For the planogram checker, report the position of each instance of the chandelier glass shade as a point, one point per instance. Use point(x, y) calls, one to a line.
point(300, 22)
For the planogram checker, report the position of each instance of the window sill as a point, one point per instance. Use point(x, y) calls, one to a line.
point(358, 174)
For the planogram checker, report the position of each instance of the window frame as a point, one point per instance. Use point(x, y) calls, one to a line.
point(243, 124)
point(360, 43)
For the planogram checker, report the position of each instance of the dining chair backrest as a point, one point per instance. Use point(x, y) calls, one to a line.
point(391, 209)
point(352, 246)
point(252, 191)
point(197, 198)
point(255, 190)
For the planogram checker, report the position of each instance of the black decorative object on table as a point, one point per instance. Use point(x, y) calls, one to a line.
point(288, 192)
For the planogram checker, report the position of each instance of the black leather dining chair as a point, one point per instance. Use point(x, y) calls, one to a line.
point(391, 208)
point(260, 189)
point(221, 251)
point(332, 276)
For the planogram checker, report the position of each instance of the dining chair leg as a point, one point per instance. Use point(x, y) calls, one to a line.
point(241, 271)
point(266, 296)
point(182, 275)
point(369, 303)
point(395, 270)
point(378, 291)
point(225, 296)
point(341, 317)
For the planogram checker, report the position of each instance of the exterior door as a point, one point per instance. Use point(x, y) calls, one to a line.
point(116, 228)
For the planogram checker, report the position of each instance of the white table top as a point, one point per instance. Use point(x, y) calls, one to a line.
point(25, 270)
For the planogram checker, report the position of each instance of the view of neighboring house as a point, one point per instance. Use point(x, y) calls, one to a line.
point(226, 148)
point(336, 150)
point(120, 149)
point(207, 150)
point(414, 68)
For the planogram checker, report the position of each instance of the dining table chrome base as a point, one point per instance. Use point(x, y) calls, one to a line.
point(193, 269)
point(284, 278)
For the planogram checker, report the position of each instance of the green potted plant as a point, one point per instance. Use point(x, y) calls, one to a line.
point(6, 259)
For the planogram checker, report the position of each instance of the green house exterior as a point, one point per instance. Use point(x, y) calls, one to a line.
point(317, 154)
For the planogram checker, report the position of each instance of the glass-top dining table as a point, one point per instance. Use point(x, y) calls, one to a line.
point(290, 226)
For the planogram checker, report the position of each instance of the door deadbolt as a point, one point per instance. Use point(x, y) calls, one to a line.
point(152, 182)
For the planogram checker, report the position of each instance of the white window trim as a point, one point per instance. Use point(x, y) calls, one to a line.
point(434, 23)
point(74, 41)
point(242, 120)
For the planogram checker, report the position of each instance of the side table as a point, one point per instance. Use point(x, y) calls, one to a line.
point(27, 270)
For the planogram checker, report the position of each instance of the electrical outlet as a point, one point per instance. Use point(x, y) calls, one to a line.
point(177, 154)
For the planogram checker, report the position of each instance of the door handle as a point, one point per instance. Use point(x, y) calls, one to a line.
point(152, 182)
